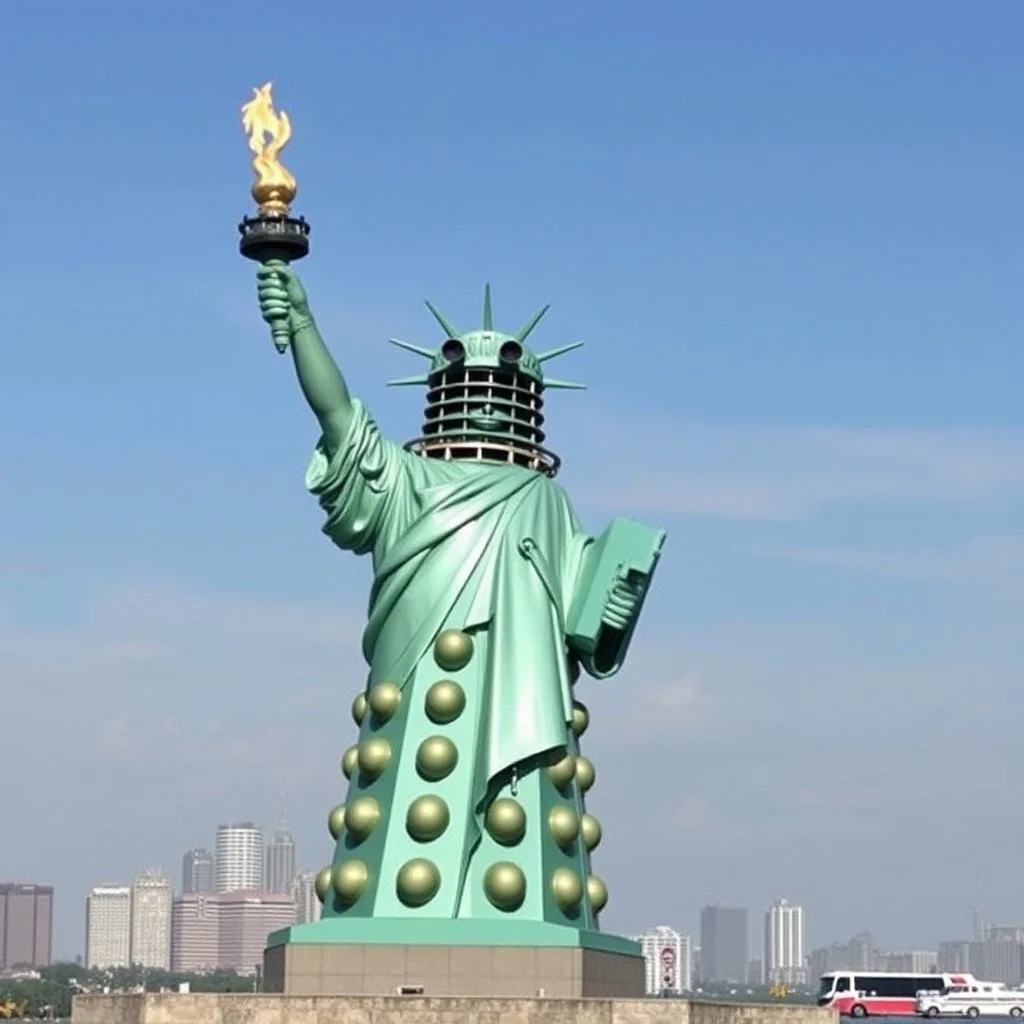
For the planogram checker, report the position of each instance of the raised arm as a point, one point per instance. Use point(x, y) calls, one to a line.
point(321, 381)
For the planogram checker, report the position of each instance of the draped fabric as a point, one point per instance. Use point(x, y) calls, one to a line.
point(497, 546)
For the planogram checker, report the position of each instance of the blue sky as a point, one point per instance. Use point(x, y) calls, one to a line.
point(790, 235)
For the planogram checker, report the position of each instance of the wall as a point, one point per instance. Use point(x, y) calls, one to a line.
point(276, 1009)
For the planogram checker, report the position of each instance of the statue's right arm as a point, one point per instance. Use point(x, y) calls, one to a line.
point(321, 382)
point(280, 290)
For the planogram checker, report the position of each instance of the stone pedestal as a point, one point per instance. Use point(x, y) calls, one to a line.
point(451, 958)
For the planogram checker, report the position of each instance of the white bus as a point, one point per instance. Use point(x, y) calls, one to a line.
point(882, 993)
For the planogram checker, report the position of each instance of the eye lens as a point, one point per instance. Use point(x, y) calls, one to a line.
point(453, 350)
point(510, 352)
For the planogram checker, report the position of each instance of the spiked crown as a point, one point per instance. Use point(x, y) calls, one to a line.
point(484, 394)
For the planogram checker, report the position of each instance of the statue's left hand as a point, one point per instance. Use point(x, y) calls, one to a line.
point(623, 602)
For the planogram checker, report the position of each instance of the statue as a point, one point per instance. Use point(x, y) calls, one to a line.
point(465, 820)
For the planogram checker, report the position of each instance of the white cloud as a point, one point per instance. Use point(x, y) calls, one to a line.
point(996, 561)
point(788, 473)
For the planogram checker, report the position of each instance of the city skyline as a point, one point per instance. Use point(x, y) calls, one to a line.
point(206, 930)
point(790, 241)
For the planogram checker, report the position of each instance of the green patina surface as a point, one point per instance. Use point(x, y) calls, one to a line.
point(406, 931)
point(464, 821)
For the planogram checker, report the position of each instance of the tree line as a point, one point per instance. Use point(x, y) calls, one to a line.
point(51, 993)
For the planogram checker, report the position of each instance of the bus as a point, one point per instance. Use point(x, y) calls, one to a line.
point(882, 993)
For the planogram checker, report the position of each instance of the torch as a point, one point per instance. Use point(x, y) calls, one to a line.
point(272, 237)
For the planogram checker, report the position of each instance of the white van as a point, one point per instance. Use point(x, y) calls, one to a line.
point(977, 999)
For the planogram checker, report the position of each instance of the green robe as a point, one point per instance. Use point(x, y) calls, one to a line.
point(484, 547)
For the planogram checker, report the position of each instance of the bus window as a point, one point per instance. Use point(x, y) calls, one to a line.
point(843, 984)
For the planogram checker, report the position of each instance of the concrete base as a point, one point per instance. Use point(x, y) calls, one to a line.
point(450, 957)
point(497, 971)
point(219, 1008)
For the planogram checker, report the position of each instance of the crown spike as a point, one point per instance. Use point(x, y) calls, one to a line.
point(419, 350)
point(554, 353)
point(402, 382)
point(488, 315)
point(524, 332)
point(563, 385)
point(445, 324)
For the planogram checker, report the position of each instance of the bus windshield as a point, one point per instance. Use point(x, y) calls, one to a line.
point(826, 985)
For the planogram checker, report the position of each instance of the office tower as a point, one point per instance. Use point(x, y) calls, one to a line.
point(307, 906)
point(280, 860)
point(784, 944)
point(226, 930)
point(108, 926)
point(667, 961)
point(916, 961)
point(954, 957)
point(239, 857)
point(194, 933)
point(197, 871)
point(26, 925)
point(151, 920)
point(245, 919)
point(724, 935)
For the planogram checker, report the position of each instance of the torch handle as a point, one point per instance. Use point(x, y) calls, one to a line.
point(280, 331)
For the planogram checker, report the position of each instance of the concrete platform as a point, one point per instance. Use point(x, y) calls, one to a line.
point(499, 971)
point(451, 957)
point(172, 1008)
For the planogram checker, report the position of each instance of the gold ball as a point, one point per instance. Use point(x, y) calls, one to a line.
point(562, 772)
point(427, 818)
point(374, 755)
point(590, 828)
point(445, 701)
point(418, 882)
point(350, 879)
point(505, 885)
point(566, 887)
point(436, 758)
point(585, 773)
point(384, 700)
point(359, 708)
point(453, 649)
point(350, 761)
point(362, 816)
point(580, 718)
point(506, 821)
point(597, 892)
point(564, 825)
point(322, 885)
point(336, 821)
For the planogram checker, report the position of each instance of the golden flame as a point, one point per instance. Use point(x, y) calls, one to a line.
point(268, 132)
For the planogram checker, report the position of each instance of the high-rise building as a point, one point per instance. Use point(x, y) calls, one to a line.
point(151, 920)
point(667, 961)
point(226, 929)
point(784, 944)
point(239, 857)
point(26, 925)
point(954, 957)
point(916, 961)
point(194, 933)
point(108, 926)
point(280, 860)
point(724, 936)
point(197, 871)
point(245, 919)
point(307, 905)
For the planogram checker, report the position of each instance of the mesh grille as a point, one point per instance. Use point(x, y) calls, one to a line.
point(484, 414)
